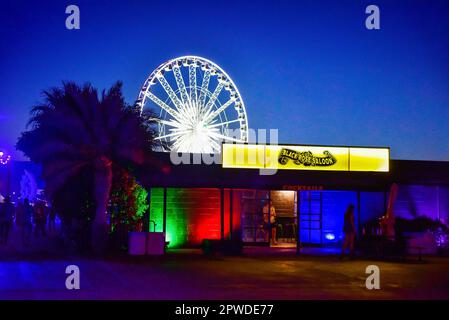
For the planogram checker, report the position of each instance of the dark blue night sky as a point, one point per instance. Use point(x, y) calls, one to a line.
point(309, 68)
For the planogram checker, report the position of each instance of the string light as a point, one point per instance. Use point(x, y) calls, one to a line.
point(4, 159)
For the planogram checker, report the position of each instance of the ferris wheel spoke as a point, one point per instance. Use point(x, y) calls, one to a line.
point(204, 88)
point(183, 144)
point(163, 105)
point(192, 83)
point(172, 95)
point(211, 146)
point(180, 129)
point(215, 145)
point(178, 144)
point(223, 123)
point(177, 133)
point(223, 137)
point(210, 116)
point(169, 123)
point(174, 98)
point(181, 85)
point(213, 98)
point(186, 102)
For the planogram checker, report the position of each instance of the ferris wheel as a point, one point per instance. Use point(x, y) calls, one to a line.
point(198, 114)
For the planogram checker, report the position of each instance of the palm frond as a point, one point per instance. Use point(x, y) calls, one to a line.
point(74, 126)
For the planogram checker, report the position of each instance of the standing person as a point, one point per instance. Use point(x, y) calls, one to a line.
point(2, 219)
point(273, 223)
point(269, 208)
point(52, 219)
point(266, 221)
point(6, 218)
point(27, 226)
point(349, 232)
point(39, 218)
point(19, 212)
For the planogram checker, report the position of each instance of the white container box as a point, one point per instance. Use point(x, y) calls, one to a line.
point(137, 243)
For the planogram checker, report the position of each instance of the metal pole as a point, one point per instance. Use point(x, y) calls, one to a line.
point(164, 211)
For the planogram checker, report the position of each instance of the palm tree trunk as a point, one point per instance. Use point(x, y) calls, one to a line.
point(102, 188)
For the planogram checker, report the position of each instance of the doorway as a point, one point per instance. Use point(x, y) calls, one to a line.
point(285, 205)
point(254, 224)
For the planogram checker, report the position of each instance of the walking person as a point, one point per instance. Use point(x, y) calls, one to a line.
point(349, 232)
point(27, 226)
point(6, 219)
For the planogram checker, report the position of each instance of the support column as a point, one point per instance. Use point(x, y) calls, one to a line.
point(231, 211)
point(222, 231)
point(164, 211)
point(298, 223)
point(147, 216)
point(359, 225)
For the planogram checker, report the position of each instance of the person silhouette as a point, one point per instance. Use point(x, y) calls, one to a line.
point(349, 232)
point(6, 218)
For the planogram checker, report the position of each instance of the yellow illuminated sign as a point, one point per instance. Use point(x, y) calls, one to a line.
point(290, 157)
point(369, 159)
point(243, 155)
point(306, 158)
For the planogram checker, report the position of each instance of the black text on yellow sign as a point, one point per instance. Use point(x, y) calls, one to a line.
point(321, 158)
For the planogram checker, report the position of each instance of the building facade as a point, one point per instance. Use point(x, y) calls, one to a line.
point(193, 202)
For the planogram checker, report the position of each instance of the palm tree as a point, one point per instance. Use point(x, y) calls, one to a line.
point(75, 129)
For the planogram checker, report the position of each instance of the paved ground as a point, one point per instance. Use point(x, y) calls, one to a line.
point(192, 276)
point(259, 274)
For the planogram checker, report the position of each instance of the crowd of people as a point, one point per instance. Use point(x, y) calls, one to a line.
point(28, 217)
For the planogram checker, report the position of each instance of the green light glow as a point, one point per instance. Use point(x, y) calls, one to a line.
point(176, 232)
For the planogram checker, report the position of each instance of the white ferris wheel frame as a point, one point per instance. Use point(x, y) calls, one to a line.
point(181, 98)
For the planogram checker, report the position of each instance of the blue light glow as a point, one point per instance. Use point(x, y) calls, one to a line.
point(330, 236)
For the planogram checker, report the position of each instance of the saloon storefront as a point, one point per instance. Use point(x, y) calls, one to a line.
point(309, 186)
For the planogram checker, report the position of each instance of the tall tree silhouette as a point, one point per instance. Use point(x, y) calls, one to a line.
point(75, 129)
